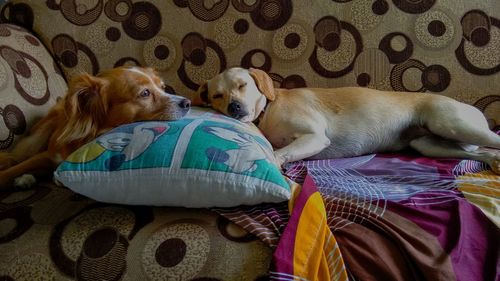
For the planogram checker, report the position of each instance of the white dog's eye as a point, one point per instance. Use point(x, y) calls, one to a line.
point(218, 96)
point(145, 93)
point(242, 86)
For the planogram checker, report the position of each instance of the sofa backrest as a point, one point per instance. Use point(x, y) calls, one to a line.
point(449, 47)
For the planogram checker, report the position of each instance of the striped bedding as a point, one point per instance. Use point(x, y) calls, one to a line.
point(382, 217)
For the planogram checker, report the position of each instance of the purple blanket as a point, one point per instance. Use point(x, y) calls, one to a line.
point(400, 217)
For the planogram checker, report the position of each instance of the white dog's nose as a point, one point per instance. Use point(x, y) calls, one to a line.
point(236, 110)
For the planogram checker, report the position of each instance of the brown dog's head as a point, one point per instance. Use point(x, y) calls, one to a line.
point(114, 97)
point(238, 93)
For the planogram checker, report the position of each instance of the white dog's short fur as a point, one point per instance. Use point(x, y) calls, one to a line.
point(318, 123)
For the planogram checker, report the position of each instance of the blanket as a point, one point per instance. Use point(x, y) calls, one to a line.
point(384, 217)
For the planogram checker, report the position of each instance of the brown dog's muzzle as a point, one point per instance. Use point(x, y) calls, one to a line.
point(184, 105)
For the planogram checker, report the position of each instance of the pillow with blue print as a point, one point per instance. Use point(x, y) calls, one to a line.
point(203, 160)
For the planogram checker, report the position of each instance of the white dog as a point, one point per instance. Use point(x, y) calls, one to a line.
point(344, 122)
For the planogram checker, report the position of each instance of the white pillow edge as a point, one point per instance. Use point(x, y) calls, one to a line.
point(231, 189)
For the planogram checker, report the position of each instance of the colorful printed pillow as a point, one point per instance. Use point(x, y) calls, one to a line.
point(202, 160)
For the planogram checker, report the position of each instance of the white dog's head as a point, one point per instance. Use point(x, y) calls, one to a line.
point(238, 93)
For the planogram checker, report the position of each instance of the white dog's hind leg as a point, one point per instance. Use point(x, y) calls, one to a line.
point(461, 122)
point(434, 146)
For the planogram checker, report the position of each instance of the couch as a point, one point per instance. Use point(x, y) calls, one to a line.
point(444, 47)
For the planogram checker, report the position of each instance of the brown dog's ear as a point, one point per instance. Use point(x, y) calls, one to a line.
point(85, 95)
point(201, 96)
point(85, 109)
point(263, 82)
point(150, 70)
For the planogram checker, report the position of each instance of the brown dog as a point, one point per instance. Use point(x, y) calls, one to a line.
point(92, 105)
point(344, 122)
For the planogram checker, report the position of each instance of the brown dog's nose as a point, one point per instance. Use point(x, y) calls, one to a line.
point(185, 104)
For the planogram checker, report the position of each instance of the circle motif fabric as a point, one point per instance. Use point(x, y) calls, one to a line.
point(159, 52)
point(191, 239)
point(290, 42)
point(437, 29)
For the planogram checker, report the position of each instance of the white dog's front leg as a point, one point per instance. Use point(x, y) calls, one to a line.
point(302, 147)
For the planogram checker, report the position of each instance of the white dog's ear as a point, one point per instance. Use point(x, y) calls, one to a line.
point(263, 82)
point(201, 96)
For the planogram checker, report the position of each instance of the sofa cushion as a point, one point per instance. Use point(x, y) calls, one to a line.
point(30, 83)
point(202, 160)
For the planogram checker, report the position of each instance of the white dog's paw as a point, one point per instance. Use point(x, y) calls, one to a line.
point(280, 160)
point(490, 156)
point(25, 181)
point(495, 165)
point(494, 159)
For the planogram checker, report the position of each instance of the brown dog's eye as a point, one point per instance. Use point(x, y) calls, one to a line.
point(145, 93)
point(218, 96)
point(242, 86)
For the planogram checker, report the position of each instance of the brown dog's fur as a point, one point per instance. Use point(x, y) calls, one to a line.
point(92, 105)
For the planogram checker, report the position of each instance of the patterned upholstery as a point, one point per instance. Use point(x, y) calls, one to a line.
point(51, 233)
point(30, 82)
point(447, 47)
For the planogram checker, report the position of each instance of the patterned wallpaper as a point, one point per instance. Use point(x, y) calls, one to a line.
point(448, 47)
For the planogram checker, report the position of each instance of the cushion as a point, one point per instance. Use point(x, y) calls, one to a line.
point(30, 83)
point(202, 160)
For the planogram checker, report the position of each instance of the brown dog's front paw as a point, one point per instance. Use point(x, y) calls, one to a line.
point(25, 181)
point(6, 161)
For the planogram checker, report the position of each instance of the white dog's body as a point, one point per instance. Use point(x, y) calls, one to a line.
point(344, 122)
